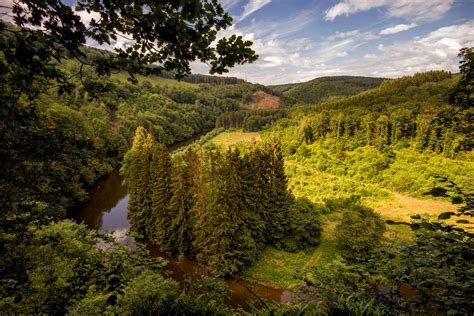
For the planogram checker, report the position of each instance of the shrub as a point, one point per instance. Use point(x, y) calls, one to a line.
point(359, 232)
point(304, 228)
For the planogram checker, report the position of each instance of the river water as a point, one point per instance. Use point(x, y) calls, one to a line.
point(107, 210)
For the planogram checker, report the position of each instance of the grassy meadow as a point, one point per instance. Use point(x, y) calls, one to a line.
point(306, 178)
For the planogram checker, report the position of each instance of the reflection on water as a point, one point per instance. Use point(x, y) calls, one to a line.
point(107, 205)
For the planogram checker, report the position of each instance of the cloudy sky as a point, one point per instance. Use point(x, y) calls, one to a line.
point(298, 40)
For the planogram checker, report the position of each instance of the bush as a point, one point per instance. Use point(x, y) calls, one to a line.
point(149, 294)
point(304, 228)
point(359, 232)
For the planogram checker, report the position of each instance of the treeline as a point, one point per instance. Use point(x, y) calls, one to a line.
point(410, 109)
point(221, 208)
point(250, 121)
point(416, 80)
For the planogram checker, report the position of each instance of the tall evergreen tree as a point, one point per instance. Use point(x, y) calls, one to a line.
point(197, 188)
point(222, 238)
point(180, 207)
point(256, 190)
point(144, 187)
point(135, 181)
point(160, 189)
point(279, 195)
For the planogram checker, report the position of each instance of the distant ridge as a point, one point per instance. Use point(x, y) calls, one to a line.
point(316, 90)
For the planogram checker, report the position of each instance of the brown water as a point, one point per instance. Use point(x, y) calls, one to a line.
point(107, 210)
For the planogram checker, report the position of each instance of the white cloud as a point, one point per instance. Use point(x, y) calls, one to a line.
point(352, 35)
point(347, 7)
point(87, 17)
point(227, 4)
point(398, 28)
point(252, 6)
point(272, 61)
point(270, 28)
point(418, 10)
point(436, 50)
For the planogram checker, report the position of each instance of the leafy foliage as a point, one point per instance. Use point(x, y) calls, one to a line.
point(438, 267)
point(359, 232)
point(169, 34)
point(250, 121)
point(304, 228)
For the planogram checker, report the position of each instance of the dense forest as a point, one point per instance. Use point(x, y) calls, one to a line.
point(221, 208)
point(386, 135)
point(76, 138)
point(301, 189)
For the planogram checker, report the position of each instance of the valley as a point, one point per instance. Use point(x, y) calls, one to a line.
point(336, 178)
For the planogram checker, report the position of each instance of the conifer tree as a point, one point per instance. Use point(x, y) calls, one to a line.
point(180, 231)
point(144, 211)
point(135, 184)
point(256, 190)
point(160, 175)
point(221, 236)
point(197, 188)
point(279, 193)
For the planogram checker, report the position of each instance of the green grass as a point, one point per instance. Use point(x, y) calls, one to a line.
point(284, 269)
point(278, 268)
point(326, 251)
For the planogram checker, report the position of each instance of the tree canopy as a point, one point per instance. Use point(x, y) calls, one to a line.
point(166, 34)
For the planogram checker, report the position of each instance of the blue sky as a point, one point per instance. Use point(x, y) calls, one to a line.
point(299, 40)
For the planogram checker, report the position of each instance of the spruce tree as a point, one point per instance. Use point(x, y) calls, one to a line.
point(136, 187)
point(195, 182)
point(221, 236)
point(180, 206)
point(256, 191)
point(142, 220)
point(160, 218)
point(277, 224)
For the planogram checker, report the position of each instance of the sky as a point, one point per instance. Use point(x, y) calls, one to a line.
point(298, 40)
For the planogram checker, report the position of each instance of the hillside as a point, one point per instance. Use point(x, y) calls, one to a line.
point(318, 89)
point(280, 88)
point(261, 100)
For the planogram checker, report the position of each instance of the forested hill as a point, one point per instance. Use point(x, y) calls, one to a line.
point(409, 113)
point(319, 89)
point(408, 108)
point(83, 135)
point(280, 88)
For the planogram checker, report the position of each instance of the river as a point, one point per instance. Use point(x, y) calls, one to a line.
point(107, 210)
